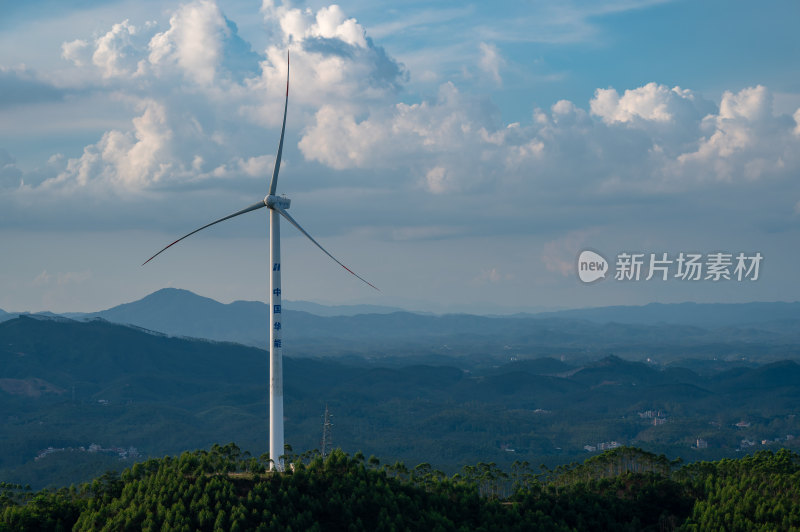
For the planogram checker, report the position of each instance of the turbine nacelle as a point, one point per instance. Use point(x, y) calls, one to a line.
point(281, 202)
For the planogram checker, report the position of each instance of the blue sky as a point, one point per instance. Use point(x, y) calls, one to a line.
point(459, 156)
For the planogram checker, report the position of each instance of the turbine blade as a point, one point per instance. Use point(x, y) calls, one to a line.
point(253, 207)
point(294, 223)
point(274, 183)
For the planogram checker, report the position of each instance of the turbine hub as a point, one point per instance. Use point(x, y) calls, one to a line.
point(277, 201)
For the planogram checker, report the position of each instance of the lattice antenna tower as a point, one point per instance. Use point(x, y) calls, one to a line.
point(326, 431)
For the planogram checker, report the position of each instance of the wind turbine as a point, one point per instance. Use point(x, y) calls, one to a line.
point(277, 206)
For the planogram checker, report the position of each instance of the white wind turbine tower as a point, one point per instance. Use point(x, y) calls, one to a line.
point(277, 206)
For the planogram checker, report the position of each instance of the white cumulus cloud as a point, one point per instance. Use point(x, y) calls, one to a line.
point(652, 102)
point(200, 99)
point(77, 51)
point(201, 95)
point(444, 142)
point(648, 139)
point(193, 41)
point(491, 61)
point(115, 53)
point(129, 160)
point(744, 139)
point(561, 255)
point(796, 117)
point(329, 22)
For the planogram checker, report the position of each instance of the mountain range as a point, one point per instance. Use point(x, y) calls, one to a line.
point(66, 384)
point(748, 331)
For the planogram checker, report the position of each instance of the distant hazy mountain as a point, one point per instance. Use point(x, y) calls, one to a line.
point(687, 331)
point(338, 310)
point(707, 315)
point(755, 331)
point(184, 313)
point(5, 316)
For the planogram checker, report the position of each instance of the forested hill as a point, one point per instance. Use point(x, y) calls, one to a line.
point(224, 489)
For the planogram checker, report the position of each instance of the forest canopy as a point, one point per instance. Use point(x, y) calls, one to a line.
point(227, 489)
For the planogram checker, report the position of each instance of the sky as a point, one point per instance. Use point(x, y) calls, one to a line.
point(460, 156)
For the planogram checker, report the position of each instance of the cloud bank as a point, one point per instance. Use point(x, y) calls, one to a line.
point(201, 101)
